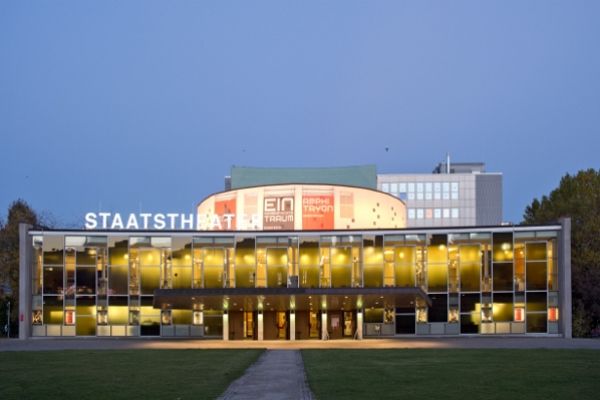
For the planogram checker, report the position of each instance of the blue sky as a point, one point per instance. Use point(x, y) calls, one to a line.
point(146, 104)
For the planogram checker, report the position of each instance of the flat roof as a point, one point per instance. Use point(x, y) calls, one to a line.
point(358, 175)
point(381, 231)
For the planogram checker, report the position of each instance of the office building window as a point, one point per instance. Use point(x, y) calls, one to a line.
point(385, 187)
point(446, 213)
point(437, 190)
point(411, 191)
point(419, 191)
point(455, 213)
point(428, 191)
point(411, 213)
point(446, 190)
point(394, 188)
point(428, 213)
point(437, 213)
point(454, 190)
point(402, 187)
point(419, 213)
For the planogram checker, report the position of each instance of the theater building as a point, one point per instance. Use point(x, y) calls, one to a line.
point(293, 262)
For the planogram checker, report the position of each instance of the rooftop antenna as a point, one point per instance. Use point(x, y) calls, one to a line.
point(447, 163)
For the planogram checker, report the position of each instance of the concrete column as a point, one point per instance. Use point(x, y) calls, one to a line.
point(324, 332)
point(260, 333)
point(292, 325)
point(25, 252)
point(225, 325)
point(359, 325)
point(564, 276)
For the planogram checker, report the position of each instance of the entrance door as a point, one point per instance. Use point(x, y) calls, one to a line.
point(349, 324)
point(335, 321)
point(314, 325)
point(281, 319)
point(249, 329)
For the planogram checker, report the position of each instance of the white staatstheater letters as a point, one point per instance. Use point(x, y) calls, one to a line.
point(158, 221)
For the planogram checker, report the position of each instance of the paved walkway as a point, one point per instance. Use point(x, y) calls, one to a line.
point(395, 343)
point(277, 375)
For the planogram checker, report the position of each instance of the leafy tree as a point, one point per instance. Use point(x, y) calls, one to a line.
point(578, 197)
point(19, 211)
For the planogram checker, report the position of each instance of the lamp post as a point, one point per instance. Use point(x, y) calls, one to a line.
point(8, 320)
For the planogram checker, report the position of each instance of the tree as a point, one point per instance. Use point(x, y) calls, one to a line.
point(19, 211)
point(577, 197)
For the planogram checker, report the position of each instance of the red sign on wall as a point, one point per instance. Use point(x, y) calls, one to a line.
point(225, 210)
point(317, 211)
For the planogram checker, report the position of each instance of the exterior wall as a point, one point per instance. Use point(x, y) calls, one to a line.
point(24, 282)
point(488, 199)
point(300, 207)
point(501, 280)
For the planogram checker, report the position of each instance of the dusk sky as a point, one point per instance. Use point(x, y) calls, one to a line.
point(145, 105)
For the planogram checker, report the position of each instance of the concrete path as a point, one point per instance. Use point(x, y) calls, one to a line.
point(479, 342)
point(277, 375)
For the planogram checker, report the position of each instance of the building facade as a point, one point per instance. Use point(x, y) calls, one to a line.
point(462, 194)
point(305, 282)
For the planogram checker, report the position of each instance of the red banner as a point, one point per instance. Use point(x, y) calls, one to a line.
point(225, 210)
point(317, 211)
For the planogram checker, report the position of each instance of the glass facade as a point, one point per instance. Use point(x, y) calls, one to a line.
point(499, 281)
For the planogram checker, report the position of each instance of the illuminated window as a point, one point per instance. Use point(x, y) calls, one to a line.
point(197, 318)
point(553, 314)
point(69, 317)
point(519, 314)
point(428, 213)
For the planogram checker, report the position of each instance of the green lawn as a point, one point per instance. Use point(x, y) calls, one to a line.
point(121, 374)
point(453, 374)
